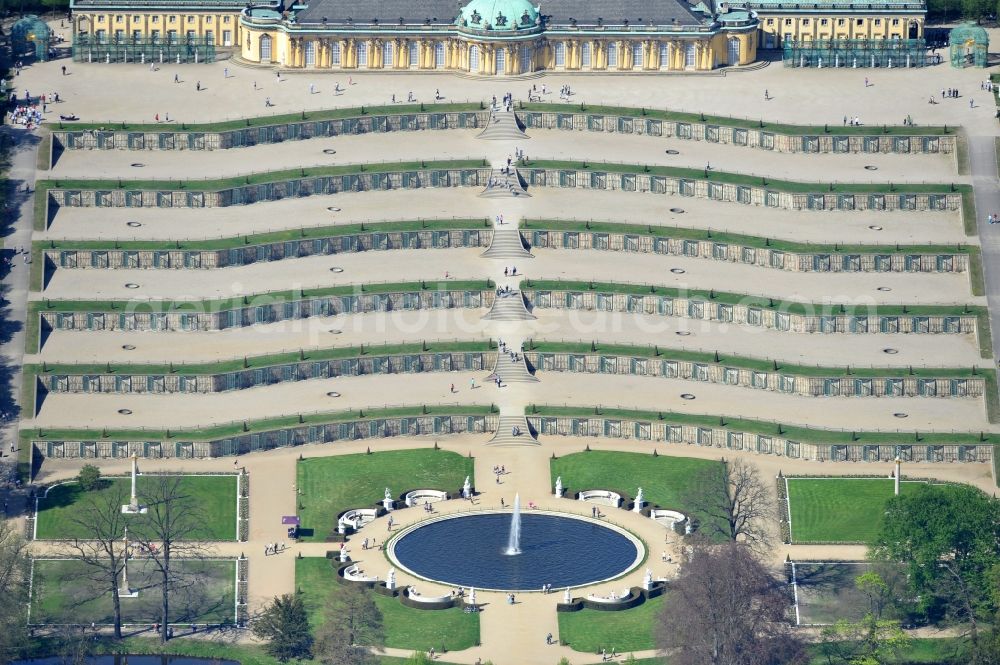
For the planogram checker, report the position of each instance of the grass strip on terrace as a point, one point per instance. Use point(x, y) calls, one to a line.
point(743, 123)
point(236, 428)
point(788, 186)
point(758, 242)
point(270, 120)
point(767, 428)
point(990, 393)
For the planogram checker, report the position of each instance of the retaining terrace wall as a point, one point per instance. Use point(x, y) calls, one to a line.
point(124, 383)
point(727, 438)
point(760, 195)
point(270, 191)
point(775, 381)
point(761, 138)
point(242, 444)
point(112, 139)
point(708, 310)
point(763, 257)
point(271, 310)
point(275, 251)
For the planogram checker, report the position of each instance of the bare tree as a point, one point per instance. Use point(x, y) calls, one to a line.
point(104, 552)
point(353, 624)
point(735, 503)
point(14, 574)
point(174, 525)
point(727, 609)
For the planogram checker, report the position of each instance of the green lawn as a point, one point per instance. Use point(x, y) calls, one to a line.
point(627, 630)
point(63, 591)
point(405, 627)
point(665, 480)
point(216, 494)
point(331, 485)
point(839, 509)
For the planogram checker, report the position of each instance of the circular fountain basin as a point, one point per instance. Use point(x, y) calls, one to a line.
point(556, 548)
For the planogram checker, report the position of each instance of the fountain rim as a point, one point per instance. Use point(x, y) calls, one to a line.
point(641, 551)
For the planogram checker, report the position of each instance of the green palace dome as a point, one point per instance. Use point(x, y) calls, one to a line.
point(499, 15)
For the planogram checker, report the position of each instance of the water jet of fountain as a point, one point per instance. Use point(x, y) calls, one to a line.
point(514, 540)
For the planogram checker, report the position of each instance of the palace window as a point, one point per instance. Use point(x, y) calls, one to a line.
point(387, 54)
point(208, 19)
point(823, 21)
point(265, 48)
point(560, 54)
point(878, 21)
point(363, 54)
point(788, 21)
point(805, 21)
point(664, 55)
point(155, 19)
point(637, 55)
point(119, 19)
point(414, 54)
point(335, 53)
point(860, 21)
point(190, 19)
point(770, 21)
point(840, 21)
point(585, 54)
point(439, 54)
point(225, 19)
point(612, 54)
point(173, 19)
point(895, 21)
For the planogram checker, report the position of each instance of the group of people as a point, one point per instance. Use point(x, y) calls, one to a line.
point(504, 291)
point(274, 548)
point(30, 116)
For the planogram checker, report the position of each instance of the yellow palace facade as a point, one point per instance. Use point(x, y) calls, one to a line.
point(500, 37)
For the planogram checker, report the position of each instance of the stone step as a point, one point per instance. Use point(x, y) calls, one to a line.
point(504, 436)
point(509, 308)
point(510, 371)
point(505, 128)
point(504, 185)
point(507, 244)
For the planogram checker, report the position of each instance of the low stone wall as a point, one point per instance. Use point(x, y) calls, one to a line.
point(760, 138)
point(730, 439)
point(257, 253)
point(124, 383)
point(774, 381)
point(269, 191)
point(140, 317)
point(759, 195)
point(763, 257)
point(112, 139)
point(708, 310)
point(295, 435)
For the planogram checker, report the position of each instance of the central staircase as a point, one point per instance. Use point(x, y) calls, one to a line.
point(509, 308)
point(504, 435)
point(507, 244)
point(505, 127)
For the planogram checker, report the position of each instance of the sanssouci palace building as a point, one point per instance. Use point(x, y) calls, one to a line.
point(500, 37)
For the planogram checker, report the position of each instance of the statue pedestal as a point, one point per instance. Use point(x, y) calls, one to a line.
point(134, 510)
point(128, 593)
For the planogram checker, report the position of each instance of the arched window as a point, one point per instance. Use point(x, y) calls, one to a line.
point(664, 55)
point(473, 58)
point(335, 53)
point(310, 54)
point(689, 54)
point(612, 54)
point(439, 54)
point(636, 55)
point(265, 48)
point(501, 59)
point(414, 54)
point(387, 54)
point(525, 58)
point(560, 54)
point(733, 52)
point(363, 54)
point(585, 54)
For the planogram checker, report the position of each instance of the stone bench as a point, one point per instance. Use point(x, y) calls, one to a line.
point(624, 597)
point(667, 518)
point(416, 597)
point(354, 574)
point(355, 519)
point(418, 497)
point(605, 497)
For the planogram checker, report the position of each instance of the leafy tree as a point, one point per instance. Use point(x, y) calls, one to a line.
point(977, 9)
point(174, 525)
point(353, 624)
point(872, 640)
point(726, 608)
point(14, 577)
point(949, 540)
point(284, 625)
point(89, 477)
point(103, 552)
point(736, 502)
